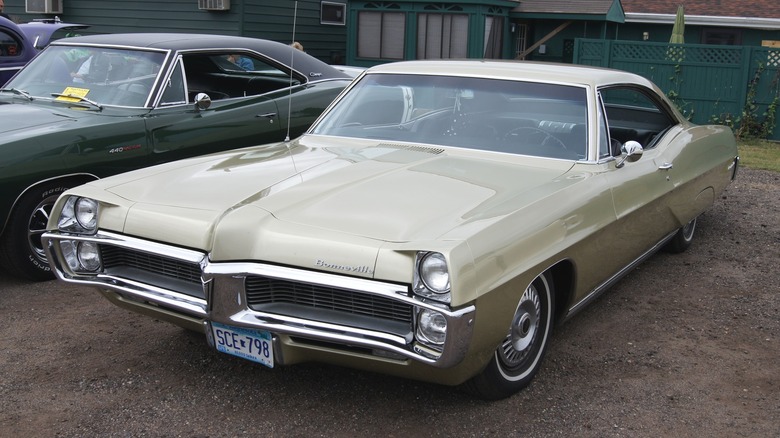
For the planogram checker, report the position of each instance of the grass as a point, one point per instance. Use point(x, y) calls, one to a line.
point(760, 154)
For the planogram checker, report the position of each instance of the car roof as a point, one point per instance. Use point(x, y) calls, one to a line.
point(516, 70)
point(184, 42)
point(10, 24)
point(40, 31)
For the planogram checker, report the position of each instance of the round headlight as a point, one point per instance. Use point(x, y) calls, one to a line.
point(89, 257)
point(434, 272)
point(86, 213)
point(432, 327)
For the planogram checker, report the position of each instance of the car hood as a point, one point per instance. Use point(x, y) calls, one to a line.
point(349, 188)
point(26, 120)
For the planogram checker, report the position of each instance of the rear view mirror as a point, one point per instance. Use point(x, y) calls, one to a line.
point(631, 151)
point(202, 101)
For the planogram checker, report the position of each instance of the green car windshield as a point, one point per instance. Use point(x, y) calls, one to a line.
point(527, 118)
point(95, 75)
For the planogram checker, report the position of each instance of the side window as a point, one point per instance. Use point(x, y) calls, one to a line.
point(9, 46)
point(632, 114)
point(605, 147)
point(174, 92)
point(233, 75)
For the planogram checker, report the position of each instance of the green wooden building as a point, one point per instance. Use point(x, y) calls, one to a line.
point(369, 32)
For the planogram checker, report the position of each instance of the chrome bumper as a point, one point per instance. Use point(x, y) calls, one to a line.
point(225, 301)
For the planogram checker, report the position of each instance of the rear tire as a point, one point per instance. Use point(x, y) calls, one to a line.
point(682, 239)
point(517, 360)
point(21, 251)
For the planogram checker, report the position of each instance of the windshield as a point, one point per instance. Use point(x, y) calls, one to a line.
point(105, 76)
point(528, 118)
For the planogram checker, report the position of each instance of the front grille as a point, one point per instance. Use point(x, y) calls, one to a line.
point(165, 272)
point(264, 290)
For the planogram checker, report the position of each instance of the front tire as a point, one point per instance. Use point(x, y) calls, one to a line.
point(519, 356)
point(22, 252)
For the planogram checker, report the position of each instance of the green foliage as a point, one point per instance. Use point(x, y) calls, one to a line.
point(686, 108)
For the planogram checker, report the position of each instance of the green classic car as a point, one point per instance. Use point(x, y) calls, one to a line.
point(90, 107)
point(434, 223)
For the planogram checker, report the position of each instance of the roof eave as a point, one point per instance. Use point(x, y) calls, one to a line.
point(561, 16)
point(706, 20)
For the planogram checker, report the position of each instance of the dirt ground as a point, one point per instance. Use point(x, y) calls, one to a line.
point(687, 345)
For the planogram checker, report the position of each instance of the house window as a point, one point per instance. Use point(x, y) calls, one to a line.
point(333, 13)
point(494, 37)
point(441, 36)
point(728, 37)
point(381, 35)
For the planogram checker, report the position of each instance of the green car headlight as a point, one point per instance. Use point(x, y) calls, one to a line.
point(78, 215)
point(432, 276)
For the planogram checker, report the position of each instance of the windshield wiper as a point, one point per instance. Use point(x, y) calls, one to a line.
point(80, 99)
point(19, 92)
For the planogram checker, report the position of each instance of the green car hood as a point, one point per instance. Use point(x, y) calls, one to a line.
point(367, 190)
point(27, 120)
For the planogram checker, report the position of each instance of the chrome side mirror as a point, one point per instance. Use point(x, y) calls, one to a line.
point(631, 152)
point(202, 101)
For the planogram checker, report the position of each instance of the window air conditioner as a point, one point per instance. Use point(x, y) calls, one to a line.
point(214, 5)
point(43, 6)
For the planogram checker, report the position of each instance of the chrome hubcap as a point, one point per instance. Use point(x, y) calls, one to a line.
point(525, 326)
point(37, 226)
point(688, 230)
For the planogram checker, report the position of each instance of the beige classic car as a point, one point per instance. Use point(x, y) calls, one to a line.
point(434, 223)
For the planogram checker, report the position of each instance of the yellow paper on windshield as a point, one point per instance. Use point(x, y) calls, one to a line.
point(72, 91)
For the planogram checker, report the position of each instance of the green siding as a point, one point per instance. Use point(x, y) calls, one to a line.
point(268, 19)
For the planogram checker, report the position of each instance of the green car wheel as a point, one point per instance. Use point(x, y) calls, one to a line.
point(22, 251)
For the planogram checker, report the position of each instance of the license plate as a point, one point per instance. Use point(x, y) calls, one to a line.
point(251, 344)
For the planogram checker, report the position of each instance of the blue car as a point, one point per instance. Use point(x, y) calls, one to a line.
point(19, 43)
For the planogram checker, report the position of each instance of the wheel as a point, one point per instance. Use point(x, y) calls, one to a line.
point(682, 239)
point(530, 136)
point(22, 252)
point(518, 358)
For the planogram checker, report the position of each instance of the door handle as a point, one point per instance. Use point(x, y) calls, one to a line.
point(665, 166)
point(267, 115)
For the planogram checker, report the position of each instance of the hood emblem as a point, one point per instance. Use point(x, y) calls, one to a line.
point(355, 269)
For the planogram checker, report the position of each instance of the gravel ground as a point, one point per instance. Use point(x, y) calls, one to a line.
point(685, 345)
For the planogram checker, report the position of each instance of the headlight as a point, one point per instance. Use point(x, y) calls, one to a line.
point(432, 276)
point(86, 213)
point(434, 272)
point(431, 327)
point(81, 256)
point(89, 256)
point(78, 215)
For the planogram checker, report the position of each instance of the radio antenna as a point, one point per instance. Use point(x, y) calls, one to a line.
point(292, 69)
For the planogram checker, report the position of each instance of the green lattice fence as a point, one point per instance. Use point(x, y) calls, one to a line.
point(706, 82)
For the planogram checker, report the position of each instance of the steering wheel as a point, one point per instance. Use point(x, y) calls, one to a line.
point(530, 136)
